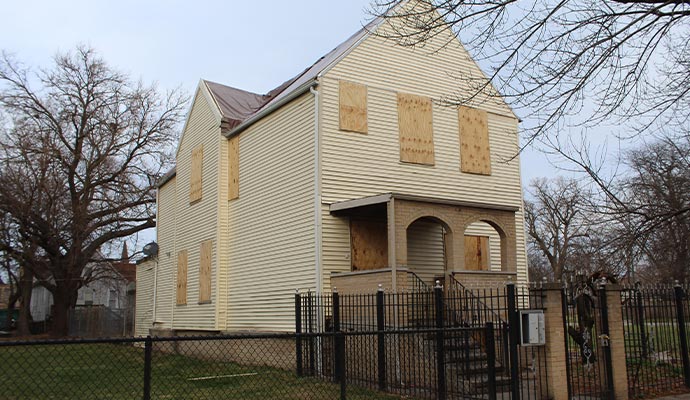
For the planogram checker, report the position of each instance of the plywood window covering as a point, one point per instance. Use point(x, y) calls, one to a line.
point(195, 178)
point(205, 272)
point(369, 244)
point(475, 155)
point(415, 122)
point(234, 167)
point(182, 277)
point(476, 253)
point(353, 107)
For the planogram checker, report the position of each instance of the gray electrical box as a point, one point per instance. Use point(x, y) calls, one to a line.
point(532, 329)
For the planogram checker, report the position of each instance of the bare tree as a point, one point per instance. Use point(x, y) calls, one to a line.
point(79, 161)
point(656, 201)
point(562, 63)
point(556, 221)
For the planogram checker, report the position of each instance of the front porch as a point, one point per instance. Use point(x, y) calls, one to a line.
point(408, 242)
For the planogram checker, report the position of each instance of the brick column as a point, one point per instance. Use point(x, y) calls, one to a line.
point(556, 368)
point(617, 342)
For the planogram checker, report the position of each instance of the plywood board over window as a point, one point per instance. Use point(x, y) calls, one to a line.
point(196, 174)
point(415, 122)
point(353, 107)
point(476, 253)
point(475, 154)
point(369, 244)
point(182, 277)
point(205, 271)
point(234, 167)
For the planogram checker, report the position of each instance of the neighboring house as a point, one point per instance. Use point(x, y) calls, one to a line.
point(350, 175)
point(109, 285)
point(4, 295)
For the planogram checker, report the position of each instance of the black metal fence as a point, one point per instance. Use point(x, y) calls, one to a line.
point(588, 363)
point(656, 347)
point(440, 343)
point(209, 367)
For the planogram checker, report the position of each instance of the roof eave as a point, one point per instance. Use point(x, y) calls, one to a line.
point(271, 108)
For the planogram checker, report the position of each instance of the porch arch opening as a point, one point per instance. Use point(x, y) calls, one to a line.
point(428, 240)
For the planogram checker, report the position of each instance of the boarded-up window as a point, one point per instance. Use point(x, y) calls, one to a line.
point(475, 155)
point(205, 272)
point(353, 107)
point(369, 244)
point(234, 167)
point(195, 177)
point(415, 117)
point(182, 277)
point(476, 253)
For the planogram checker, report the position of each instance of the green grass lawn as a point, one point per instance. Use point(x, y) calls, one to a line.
point(110, 371)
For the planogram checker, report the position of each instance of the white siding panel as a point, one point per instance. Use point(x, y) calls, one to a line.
point(143, 317)
point(355, 165)
point(197, 222)
point(271, 225)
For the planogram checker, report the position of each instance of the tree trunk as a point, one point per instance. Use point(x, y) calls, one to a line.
point(61, 306)
point(26, 284)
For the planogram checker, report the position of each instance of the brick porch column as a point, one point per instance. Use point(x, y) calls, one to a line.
point(556, 368)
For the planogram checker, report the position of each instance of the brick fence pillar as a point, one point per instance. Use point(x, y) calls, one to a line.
point(556, 368)
point(617, 341)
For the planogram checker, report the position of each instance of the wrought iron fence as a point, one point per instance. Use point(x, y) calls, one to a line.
point(412, 359)
point(655, 326)
point(586, 363)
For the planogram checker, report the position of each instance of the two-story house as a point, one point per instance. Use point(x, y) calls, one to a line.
point(351, 174)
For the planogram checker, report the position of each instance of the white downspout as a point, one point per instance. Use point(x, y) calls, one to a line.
point(155, 266)
point(318, 281)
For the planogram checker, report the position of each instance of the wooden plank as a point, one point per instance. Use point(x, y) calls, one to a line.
point(205, 271)
point(415, 124)
point(475, 154)
point(369, 244)
point(182, 277)
point(234, 167)
point(353, 107)
point(476, 253)
point(196, 174)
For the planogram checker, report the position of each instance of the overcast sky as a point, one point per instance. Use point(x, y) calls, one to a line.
point(249, 45)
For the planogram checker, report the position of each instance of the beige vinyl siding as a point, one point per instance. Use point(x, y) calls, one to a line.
point(198, 222)
point(271, 225)
point(167, 255)
point(425, 252)
point(355, 166)
point(143, 314)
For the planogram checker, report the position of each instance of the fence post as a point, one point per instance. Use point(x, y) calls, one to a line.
point(555, 372)
point(148, 347)
point(340, 363)
point(310, 329)
point(514, 324)
point(298, 331)
point(440, 350)
point(491, 356)
point(679, 295)
point(603, 303)
point(380, 327)
point(642, 326)
point(335, 304)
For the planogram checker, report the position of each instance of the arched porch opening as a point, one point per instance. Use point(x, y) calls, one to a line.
point(428, 242)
